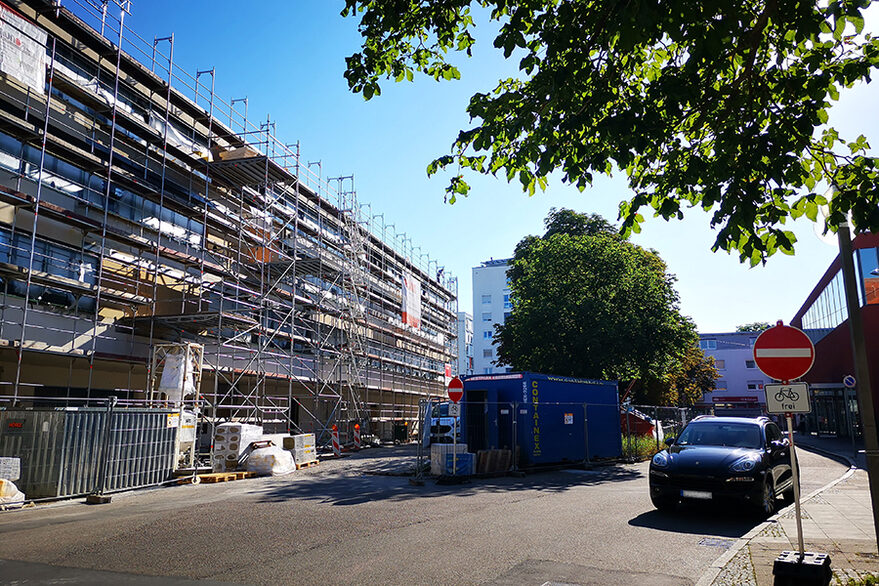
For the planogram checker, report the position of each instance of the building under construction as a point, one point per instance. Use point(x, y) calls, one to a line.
point(140, 213)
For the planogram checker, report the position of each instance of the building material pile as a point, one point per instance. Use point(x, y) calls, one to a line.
point(230, 442)
point(10, 496)
point(303, 448)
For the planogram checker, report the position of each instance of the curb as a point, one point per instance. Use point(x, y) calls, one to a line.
point(717, 565)
point(843, 459)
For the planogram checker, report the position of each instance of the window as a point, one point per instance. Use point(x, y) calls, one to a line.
point(487, 334)
point(772, 433)
point(720, 364)
point(487, 353)
point(506, 315)
point(720, 385)
point(486, 316)
point(486, 298)
point(486, 370)
point(708, 344)
point(507, 303)
point(750, 364)
point(755, 385)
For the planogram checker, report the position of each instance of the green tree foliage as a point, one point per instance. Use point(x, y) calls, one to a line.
point(565, 221)
point(695, 376)
point(596, 306)
point(757, 326)
point(720, 105)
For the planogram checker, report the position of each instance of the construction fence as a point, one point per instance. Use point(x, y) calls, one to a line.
point(74, 451)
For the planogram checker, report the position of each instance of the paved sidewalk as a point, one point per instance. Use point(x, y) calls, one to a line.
point(837, 520)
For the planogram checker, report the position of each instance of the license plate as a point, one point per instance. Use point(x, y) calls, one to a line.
point(696, 494)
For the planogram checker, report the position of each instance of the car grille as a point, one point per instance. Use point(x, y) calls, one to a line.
point(696, 481)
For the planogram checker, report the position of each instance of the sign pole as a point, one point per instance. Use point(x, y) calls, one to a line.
point(456, 393)
point(796, 479)
point(785, 354)
point(454, 446)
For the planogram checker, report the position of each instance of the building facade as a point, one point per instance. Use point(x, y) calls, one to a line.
point(824, 317)
point(739, 390)
point(465, 343)
point(138, 209)
point(491, 305)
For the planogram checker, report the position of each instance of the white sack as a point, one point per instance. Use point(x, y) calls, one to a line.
point(270, 461)
point(10, 496)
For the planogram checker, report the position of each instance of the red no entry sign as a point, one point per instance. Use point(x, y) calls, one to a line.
point(784, 353)
point(456, 389)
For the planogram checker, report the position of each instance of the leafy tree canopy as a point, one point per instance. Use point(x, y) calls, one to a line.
point(757, 326)
point(696, 375)
point(565, 221)
point(720, 105)
point(596, 306)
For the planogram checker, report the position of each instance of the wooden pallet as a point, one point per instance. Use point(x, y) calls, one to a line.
point(224, 476)
point(307, 464)
point(215, 477)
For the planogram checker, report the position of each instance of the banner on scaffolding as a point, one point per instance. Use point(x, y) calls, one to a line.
point(411, 301)
point(22, 50)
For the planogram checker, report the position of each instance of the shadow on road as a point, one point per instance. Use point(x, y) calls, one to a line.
point(699, 519)
point(344, 488)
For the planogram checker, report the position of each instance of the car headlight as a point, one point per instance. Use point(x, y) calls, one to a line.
point(745, 463)
point(660, 460)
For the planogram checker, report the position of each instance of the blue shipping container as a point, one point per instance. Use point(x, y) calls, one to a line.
point(546, 419)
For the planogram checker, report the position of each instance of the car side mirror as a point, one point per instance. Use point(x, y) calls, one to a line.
point(777, 445)
point(670, 440)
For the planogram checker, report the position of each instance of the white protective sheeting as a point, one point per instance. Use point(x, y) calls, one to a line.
point(270, 461)
point(177, 377)
point(180, 140)
point(10, 496)
point(22, 50)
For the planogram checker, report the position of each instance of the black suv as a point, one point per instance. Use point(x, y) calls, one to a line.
point(719, 458)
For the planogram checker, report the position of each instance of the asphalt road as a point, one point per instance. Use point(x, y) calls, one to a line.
point(339, 523)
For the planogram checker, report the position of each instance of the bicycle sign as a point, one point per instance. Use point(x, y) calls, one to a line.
point(790, 398)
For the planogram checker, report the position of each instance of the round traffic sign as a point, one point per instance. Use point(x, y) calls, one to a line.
point(784, 353)
point(849, 381)
point(456, 389)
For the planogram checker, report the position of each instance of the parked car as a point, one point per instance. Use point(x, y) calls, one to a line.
point(724, 458)
point(441, 424)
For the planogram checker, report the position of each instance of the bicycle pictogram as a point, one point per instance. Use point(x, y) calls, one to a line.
point(787, 393)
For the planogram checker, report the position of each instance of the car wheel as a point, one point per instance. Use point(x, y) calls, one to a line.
point(766, 505)
point(663, 503)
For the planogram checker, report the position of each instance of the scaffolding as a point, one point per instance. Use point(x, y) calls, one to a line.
point(138, 208)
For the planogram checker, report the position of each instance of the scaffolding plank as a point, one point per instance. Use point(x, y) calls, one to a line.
point(249, 171)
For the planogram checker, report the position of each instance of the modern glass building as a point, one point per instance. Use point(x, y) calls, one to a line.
point(824, 317)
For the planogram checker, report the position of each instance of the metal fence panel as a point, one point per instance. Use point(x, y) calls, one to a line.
point(66, 452)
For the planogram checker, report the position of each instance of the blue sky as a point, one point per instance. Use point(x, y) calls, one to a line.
point(288, 57)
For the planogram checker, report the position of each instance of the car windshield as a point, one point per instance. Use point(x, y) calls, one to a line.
point(712, 433)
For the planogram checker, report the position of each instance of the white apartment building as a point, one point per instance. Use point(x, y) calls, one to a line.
point(465, 343)
point(739, 390)
point(491, 305)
